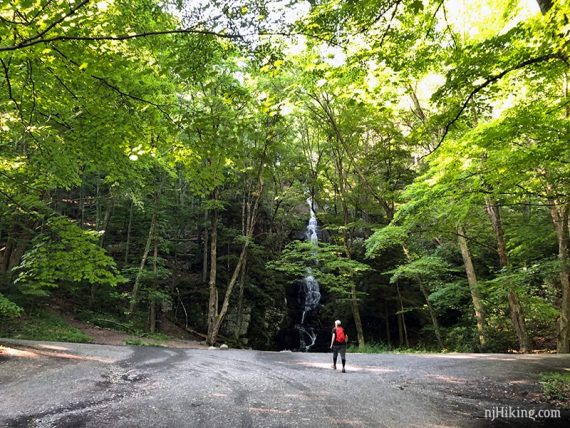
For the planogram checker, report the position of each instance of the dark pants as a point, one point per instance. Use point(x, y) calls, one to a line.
point(339, 349)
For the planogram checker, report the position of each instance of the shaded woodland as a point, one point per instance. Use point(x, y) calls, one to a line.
point(156, 159)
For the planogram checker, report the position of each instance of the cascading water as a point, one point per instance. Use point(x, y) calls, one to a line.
point(311, 291)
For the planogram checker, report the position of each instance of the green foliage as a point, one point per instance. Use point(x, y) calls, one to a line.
point(106, 320)
point(65, 253)
point(141, 342)
point(8, 308)
point(42, 325)
point(389, 236)
point(369, 348)
point(556, 387)
point(450, 295)
point(408, 129)
point(383, 348)
point(462, 338)
point(425, 268)
point(327, 263)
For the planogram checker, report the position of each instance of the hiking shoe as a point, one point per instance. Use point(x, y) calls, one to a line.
point(343, 370)
point(334, 366)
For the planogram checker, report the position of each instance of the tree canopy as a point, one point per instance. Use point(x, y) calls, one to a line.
point(156, 158)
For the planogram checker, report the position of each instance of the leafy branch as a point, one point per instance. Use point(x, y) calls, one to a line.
point(490, 80)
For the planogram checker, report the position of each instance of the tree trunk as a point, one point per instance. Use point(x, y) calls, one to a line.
point(400, 329)
point(17, 241)
point(356, 314)
point(431, 313)
point(213, 330)
point(129, 227)
point(517, 317)
point(339, 145)
point(205, 252)
point(219, 318)
point(136, 286)
point(545, 5)
point(103, 232)
point(81, 203)
point(152, 323)
point(560, 214)
point(239, 323)
point(215, 318)
point(472, 280)
point(106, 221)
point(402, 320)
point(213, 300)
point(151, 232)
point(387, 319)
point(7, 254)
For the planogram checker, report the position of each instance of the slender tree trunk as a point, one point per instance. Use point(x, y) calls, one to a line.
point(244, 218)
point(97, 206)
point(81, 204)
point(151, 232)
point(129, 227)
point(356, 315)
point(472, 280)
point(205, 252)
point(560, 214)
point(402, 320)
point(387, 319)
point(215, 318)
point(103, 232)
point(7, 254)
point(339, 145)
point(18, 251)
point(16, 244)
point(425, 293)
point(517, 317)
point(152, 323)
point(213, 300)
point(219, 318)
point(400, 329)
point(353, 294)
point(250, 226)
point(136, 286)
point(239, 323)
point(431, 313)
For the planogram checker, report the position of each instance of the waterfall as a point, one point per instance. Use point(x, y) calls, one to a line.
point(311, 291)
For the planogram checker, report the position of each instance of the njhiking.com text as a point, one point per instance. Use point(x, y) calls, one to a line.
point(509, 412)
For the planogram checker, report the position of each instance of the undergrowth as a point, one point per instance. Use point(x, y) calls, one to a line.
point(42, 324)
point(383, 348)
point(556, 388)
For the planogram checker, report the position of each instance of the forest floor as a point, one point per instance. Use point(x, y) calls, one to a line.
point(177, 338)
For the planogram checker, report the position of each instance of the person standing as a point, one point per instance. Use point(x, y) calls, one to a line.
point(338, 344)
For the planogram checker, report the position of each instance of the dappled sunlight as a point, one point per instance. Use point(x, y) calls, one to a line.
point(520, 382)
point(11, 352)
point(53, 347)
point(266, 410)
point(351, 422)
point(494, 357)
point(349, 367)
point(447, 379)
point(314, 365)
point(38, 353)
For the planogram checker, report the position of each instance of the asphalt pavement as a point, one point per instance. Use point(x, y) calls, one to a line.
point(47, 384)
